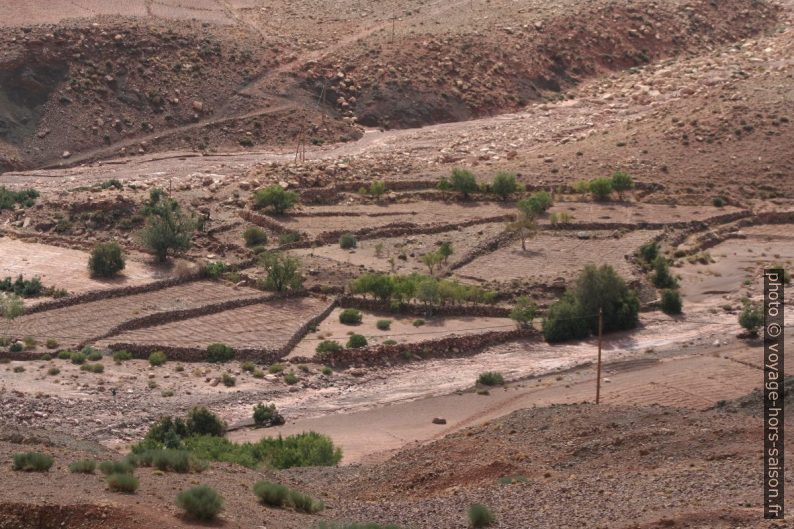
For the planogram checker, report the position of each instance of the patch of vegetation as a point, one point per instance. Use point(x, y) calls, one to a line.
point(431, 260)
point(167, 229)
point(93, 368)
point(214, 270)
point(376, 189)
point(157, 358)
point(350, 317)
point(267, 416)
point(283, 272)
point(228, 380)
point(356, 341)
point(751, 318)
point(84, 466)
point(510, 480)
point(671, 301)
point(168, 460)
point(575, 315)
point(24, 198)
point(661, 277)
point(24, 288)
point(219, 353)
point(277, 495)
point(383, 325)
point(91, 354)
point(121, 356)
point(718, 202)
point(622, 182)
point(275, 197)
point(276, 368)
point(536, 204)
point(504, 185)
point(65, 355)
point(523, 312)
point(116, 467)
point(290, 378)
point(372, 525)
point(78, 358)
point(418, 322)
point(649, 252)
point(445, 250)
point(480, 516)
point(428, 290)
point(53, 371)
point(201, 502)
point(254, 236)
point(463, 181)
point(491, 378)
point(124, 483)
point(328, 346)
point(288, 237)
point(347, 241)
point(600, 188)
point(52, 343)
point(106, 260)
point(32, 462)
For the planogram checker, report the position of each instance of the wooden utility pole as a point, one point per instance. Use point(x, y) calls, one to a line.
point(598, 369)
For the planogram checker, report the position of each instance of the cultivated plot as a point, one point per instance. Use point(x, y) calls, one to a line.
point(635, 213)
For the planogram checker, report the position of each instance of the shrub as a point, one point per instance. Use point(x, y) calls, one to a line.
point(283, 272)
point(53, 371)
point(267, 415)
point(649, 251)
point(91, 354)
point(16, 347)
point(288, 237)
point(248, 366)
point(290, 378)
point(445, 250)
point(504, 184)
point(228, 380)
point(271, 494)
point(418, 322)
point(671, 301)
point(622, 182)
point(718, 202)
point(601, 188)
point(200, 502)
point(751, 317)
point(106, 260)
point(491, 378)
point(389, 342)
point(25, 288)
point(52, 343)
point(168, 460)
point(327, 371)
point(536, 204)
point(347, 241)
point(214, 269)
point(219, 353)
point(661, 278)
point(328, 346)
point(19, 369)
point(84, 466)
point(121, 356)
point(78, 358)
point(350, 317)
point(125, 483)
point(377, 188)
point(523, 311)
point(201, 421)
point(116, 467)
point(9, 199)
point(480, 516)
point(276, 368)
point(254, 236)
point(304, 503)
point(275, 197)
point(258, 373)
point(463, 181)
point(356, 341)
point(383, 325)
point(32, 462)
point(157, 358)
point(167, 228)
point(65, 355)
point(93, 368)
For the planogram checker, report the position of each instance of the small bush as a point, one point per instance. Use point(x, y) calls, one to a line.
point(649, 251)
point(267, 415)
point(116, 467)
point(290, 378)
point(121, 356)
point(356, 341)
point(201, 421)
point(52, 343)
point(214, 270)
point(84, 466)
point(288, 237)
point(377, 188)
point(327, 371)
point(124, 483)
point(523, 311)
point(383, 325)
point(258, 373)
point(91, 354)
point(304, 503)
point(622, 182)
point(78, 358)
point(662, 278)
point(504, 184)
point(254, 236)
point(65, 355)
point(228, 380)
point(601, 188)
point(53, 371)
point(389, 342)
point(491, 378)
point(157, 358)
point(751, 317)
point(275, 197)
point(16, 347)
point(418, 322)
point(248, 367)
point(168, 460)
point(106, 260)
point(350, 317)
point(463, 181)
point(271, 494)
point(19, 369)
point(219, 353)
point(276, 368)
point(718, 202)
point(93, 368)
point(480, 516)
point(32, 462)
point(200, 502)
point(671, 301)
point(536, 204)
point(347, 241)
point(328, 346)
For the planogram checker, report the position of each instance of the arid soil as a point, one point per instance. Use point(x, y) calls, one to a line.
point(101, 102)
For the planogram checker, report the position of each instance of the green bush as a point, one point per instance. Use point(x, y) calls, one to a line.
point(275, 197)
point(347, 241)
point(377, 188)
point(356, 341)
point(276, 368)
point(52, 343)
point(91, 354)
point(201, 421)
point(9, 199)
point(536, 204)
point(601, 188)
point(16, 347)
point(671, 301)
point(350, 317)
point(53, 371)
point(480, 516)
point(523, 311)
point(116, 467)
point(267, 415)
point(219, 353)
point(491, 378)
point(78, 358)
point(248, 366)
point(418, 322)
point(32, 462)
point(751, 317)
point(504, 184)
point(157, 358)
point(283, 272)
point(168, 460)
point(106, 260)
point(167, 228)
point(622, 182)
point(328, 346)
point(304, 503)
point(84, 466)
point(65, 355)
point(288, 237)
point(649, 251)
point(93, 368)
point(200, 502)
point(271, 494)
point(383, 325)
point(662, 278)
point(125, 483)
point(24, 288)
point(290, 378)
point(214, 270)
point(254, 236)
point(121, 356)
point(228, 380)
point(718, 202)
point(463, 181)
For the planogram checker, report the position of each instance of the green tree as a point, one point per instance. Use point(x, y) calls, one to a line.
point(445, 250)
point(671, 301)
point(525, 227)
point(536, 204)
point(106, 260)
point(601, 188)
point(275, 197)
point(622, 182)
point(431, 260)
point(11, 307)
point(167, 228)
point(661, 277)
point(523, 312)
point(283, 272)
point(751, 317)
point(377, 188)
point(504, 184)
point(463, 181)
